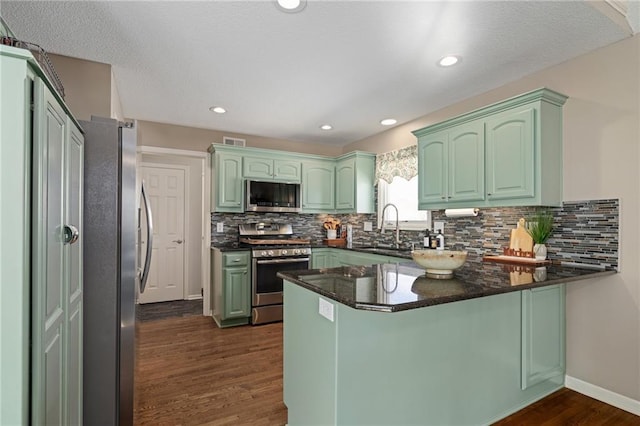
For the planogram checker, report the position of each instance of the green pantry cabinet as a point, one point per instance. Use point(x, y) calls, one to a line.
point(344, 184)
point(41, 171)
point(231, 287)
point(496, 353)
point(506, 154)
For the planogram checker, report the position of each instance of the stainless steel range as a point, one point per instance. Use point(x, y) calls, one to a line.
point(274, 249)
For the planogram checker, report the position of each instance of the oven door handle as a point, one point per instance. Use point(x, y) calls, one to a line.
point(296, 260)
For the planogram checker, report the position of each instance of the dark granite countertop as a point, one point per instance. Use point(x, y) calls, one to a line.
point(385, 251)
point(403, 286)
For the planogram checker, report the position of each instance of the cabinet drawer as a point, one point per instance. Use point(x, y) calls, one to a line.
point(235, 259)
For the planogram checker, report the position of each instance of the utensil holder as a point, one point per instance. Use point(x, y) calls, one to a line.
point(331, 234)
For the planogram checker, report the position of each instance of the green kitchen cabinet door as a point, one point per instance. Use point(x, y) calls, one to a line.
point(287, 171)
point(355, 181)
point(74, 169)
point(236, 293)
point(433, 168)
point(258, 168)
point(268, 169)
point(543, 334)
point(229, 183)
point(346, 184)
point(318, 185)
point(466, 162)
point(510, 154)
point(49, 331)
point(320, 258)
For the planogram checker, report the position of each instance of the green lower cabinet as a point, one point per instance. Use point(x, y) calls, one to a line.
point(543, 326)
point(453, 364)
point(336, 257)
point(231, 287)
point(236, 293)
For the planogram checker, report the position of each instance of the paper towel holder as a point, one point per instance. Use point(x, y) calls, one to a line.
point(461, 212)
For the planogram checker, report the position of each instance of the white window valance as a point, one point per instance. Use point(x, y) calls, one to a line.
point(402, 162)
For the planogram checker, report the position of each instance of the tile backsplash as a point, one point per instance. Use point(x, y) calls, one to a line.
point(584, 231)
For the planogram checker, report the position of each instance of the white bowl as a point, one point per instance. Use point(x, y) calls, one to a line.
point(439, 263)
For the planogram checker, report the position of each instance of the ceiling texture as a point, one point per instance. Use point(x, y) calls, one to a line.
point(282, 75)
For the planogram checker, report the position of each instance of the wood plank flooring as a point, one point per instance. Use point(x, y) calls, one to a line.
point(189, 372)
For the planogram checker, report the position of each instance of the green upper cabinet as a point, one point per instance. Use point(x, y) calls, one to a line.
point(355, 183)
point(227, 188)
point(466, 162)
point(451, 163)
point(344, 184)
point(261, 168)
point(506, 154)
point(432, 163)
point(318, 186)
point(510, 154)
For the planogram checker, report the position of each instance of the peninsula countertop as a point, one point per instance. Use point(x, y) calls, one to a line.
point(393, 287)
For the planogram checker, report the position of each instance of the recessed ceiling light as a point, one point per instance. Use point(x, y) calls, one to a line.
point(291, 6)
point(388, 121)
point(326, 127)
point(217, 109)
point(448, 61)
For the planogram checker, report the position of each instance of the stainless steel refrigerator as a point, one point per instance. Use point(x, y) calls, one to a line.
point(111, 275)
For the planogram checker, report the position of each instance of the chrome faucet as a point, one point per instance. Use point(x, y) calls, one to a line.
point(397, 226)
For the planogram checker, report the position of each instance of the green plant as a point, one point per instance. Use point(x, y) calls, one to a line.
point(540, 227)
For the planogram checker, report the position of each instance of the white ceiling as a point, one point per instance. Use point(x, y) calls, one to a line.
point(282, 75)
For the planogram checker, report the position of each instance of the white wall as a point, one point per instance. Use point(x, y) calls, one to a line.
point(601, 160)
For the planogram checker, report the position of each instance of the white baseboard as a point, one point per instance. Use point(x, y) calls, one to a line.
point(620, 401)
point(194, 297)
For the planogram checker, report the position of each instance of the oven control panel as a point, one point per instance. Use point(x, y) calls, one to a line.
point(281, 252)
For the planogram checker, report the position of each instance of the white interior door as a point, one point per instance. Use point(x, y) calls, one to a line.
point(165, 187)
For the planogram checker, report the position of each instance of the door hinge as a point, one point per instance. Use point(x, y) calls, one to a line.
point(201, 291)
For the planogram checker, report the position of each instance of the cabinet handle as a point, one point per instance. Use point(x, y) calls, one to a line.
point(489, 194)
point(442, 198)
point(236, 260)
point(245, 272)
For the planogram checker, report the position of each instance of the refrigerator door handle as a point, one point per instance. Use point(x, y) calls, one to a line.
point(147, 261)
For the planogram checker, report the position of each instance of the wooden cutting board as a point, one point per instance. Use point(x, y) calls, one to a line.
point(520, 238)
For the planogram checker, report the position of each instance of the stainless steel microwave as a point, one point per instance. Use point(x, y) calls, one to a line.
point(272, 197)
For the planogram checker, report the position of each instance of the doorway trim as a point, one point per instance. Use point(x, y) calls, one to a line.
point(205, 245)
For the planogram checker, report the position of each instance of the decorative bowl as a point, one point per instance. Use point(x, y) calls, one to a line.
point(439, 264)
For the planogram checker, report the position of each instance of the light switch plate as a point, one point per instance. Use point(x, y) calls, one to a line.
point(438, 226)
point(325, 309)
point(220, 227)
point(368, 226)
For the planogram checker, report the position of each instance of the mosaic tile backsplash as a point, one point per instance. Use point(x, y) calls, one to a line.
point(584, 232)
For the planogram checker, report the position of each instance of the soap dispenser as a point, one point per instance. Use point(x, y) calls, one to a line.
point(440, 240)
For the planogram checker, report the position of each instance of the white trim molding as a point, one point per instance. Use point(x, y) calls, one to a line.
point(146, 149)
point(615, 399)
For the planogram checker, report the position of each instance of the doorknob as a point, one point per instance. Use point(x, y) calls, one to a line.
point(178, 241)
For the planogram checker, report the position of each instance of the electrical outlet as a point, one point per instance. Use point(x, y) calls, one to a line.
point(325, 309)
point(438, 226)
point(220, 227)
point(368, 226)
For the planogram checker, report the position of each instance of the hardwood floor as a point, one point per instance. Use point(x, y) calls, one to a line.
point(189, 372)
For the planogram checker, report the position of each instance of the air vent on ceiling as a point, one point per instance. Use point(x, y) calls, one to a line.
point(226, 140)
